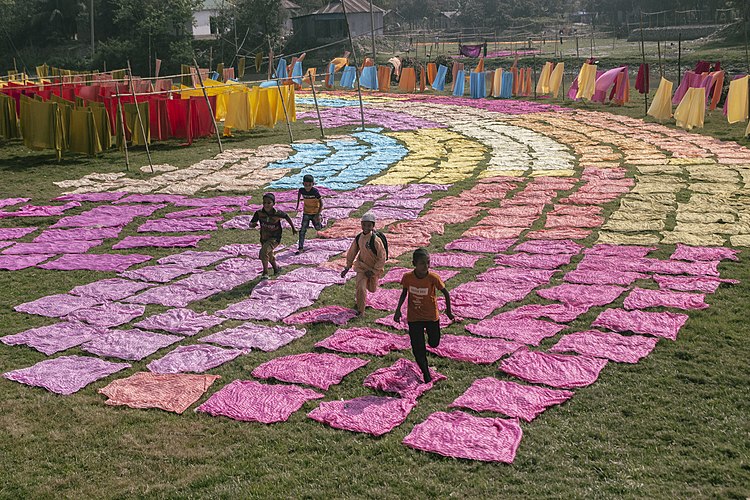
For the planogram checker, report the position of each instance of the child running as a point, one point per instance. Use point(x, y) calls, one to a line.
point(369, 253)
point(270, 231)
point(422, 311)
point(312, 205)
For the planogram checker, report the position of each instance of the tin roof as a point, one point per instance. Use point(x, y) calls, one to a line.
point(352, 6)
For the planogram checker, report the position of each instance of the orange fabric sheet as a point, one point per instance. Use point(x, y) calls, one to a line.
point(384, 78)
point(408, 80)
point(431, 72)
point(170, 392)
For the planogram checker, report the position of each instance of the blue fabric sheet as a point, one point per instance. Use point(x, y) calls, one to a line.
point(459, 84)
point(297, 73)
point(506, 85)
point(369, 77)
point(281, 71)
point(439, 82)
point(477, 85)
point(347, 77)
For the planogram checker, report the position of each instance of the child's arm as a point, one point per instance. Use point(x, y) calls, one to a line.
point(448, 311)
point(254, 220)
point(299, 197)
point(320, 205)
point(351, 254)
point(291, 224)
point(397, 314)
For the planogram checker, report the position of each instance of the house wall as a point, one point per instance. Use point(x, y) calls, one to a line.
point(359, 23)
point(202, 24)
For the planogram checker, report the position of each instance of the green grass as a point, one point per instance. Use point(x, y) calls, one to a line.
point(674, 425)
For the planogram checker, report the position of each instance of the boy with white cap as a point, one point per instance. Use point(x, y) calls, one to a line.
point(367, 254)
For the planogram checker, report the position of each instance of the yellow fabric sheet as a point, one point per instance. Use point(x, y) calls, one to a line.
point(586, 82)
point(555, 79)
point(83, 136)
point(737, 100)
point(542, 84)
point(8, 118)
point(661, 107)
point(497, 82)
point(41, 125)
point(692, 109)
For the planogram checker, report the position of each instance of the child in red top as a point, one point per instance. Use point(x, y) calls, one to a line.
point(422, 311)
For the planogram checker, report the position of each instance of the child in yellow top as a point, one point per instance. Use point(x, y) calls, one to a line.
point(312, 205)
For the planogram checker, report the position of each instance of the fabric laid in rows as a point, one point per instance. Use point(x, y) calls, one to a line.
point(642, 298)
point(556, 370)
point(180, 321)
point(375, 415)
point(254, 336)
point(403, 378)
point(66, 374)
point(364, 340)
point(131, 345)
point(193, 358)
point(317, 370)
point(611, 346)
point(173, 392)
point(658, 324)
point(473, 350)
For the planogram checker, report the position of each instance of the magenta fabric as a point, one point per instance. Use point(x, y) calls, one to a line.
point(91, 197)
point(40, 211)
point(193, 358)
point(404, 325)
point(404, 378)
point(641, 298)
point(646, 264)
point(199, 212)
point(265, 308)
point(149, 198)
point(484, 245)
point(216, 280)
point(64, 247)
point(534, 261)
point(524, 330)
point(241, 222)
point(611, 346)
point(78, 234)
point(473, 350)
point(395, 213)
point(191, 258)
point(691, 283)
point(216, 201)
point(658, 324)
point(505, 275)
point(254, 336)
point(318, 370)
point(395, 274)
point(66, 374)
point(329, 314)
point(399, 202)
point(13, 233)
point(313, 275)
point(454, 259)
point(551, 247)
point(245, 266)
point(364, 340)
point(250, 401)
point(181, 321)
point(17, 262)
point(509, 398)
point(109, 314)
point(556, 370)
point(560, 313)
point(460, 435)
point(131, 345)
point(54, 338)
point(171, 295)
point(160, 241)
point(56, 306)
point(384, 299)
point(588, 277)
point(107, 216)
point(338, 244)
point(180, 225)
point(95, 262)
point(684, 252)
point(9, 202)
point(562, 233)
point(158, 274)
point(374, 415)
point(244, 249)
point(310, 257)
point(109, 289)
point(5, 244)
point(582, 295)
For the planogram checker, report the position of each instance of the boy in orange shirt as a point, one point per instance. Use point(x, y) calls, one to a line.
point(422, 312)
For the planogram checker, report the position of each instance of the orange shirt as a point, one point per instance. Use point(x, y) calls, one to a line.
point(422, 303)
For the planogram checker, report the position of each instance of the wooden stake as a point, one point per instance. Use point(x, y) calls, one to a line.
point(643, 55)
point(356, 68)
point(140, 118)
point(208, 103)
point(122, 122)
point(317, 109)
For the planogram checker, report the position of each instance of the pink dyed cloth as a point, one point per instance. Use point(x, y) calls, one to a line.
point(191, 258)
point(109, 289)
point(95, 262)
point(310, 257)
point(483, 245)
point(78, 234)
point(684, 252)
point(56, 306)
point(265, 308)
point(17, 262)
point(158, 274)
point(40, 211)
point(199, 212)
point(314, 275)
point(109, 314)
point(534, 261)
point(66, 247)
point(404, 378)
point(9, 202)
point(562, 233)
point(384, 299)
point(66, 374)
point(505, 275)
point(131, 345)
point(556, 370)
point(493, 232)
point(460, 435)
point(454, 259)
point(193, 358)
point(181, 321)
point(645, 264)
point(658, 324)
point(395, 274)
point(54, 338)
point(216, 280)
point(473, 350)
point(215, 201)
point(329, 314)
point(364, 340)
point(253, 336)
point(509, 398)
point(560, 313)
point(619, 250)
point(404, 325)
point(13, 233)
point(641, 298)
point(279, 290)
point(180, 225)
point(171, 295)
point(149, 198)
point(690, 283)
point(245, 266)
point(524, 330)
point(584, 277)
point(107, 216)
point(374, 415)
point(5, 244)
point(317, 370)
point(160, 241)
point(91, 197)
point(550, 247)
point(582, 295)
point(250, 401)
point(611, 346)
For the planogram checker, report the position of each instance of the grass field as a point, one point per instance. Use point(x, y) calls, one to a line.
point(673, 425)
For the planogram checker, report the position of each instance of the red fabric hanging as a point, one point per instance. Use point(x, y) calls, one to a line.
point(642, 81)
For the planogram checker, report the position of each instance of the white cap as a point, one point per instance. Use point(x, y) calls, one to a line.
point(369, 217)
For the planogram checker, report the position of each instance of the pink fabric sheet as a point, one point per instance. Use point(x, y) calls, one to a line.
point(56, 306)
point(560, 313)
point(180, 225)
point(524, 330)
point(107, 216)
point(171, 296)
point(13, 233)
point(65, 247)
point(199, 212)
point(216, 280)
point(149, 198)
point(505, 275)
point(158, 274)
point(483, 245)
point(690, 283)
point(318, 370)
point(404, 325)
point(473, 350)
point(95, 262)
point(254, 336)
point(328, 314)
point(373, 415)
point(265, 308)
point(109, 289)
point(108, 315)
point(563, 233)
point(462, 260)
point(160, 241)
point(364, 340)
point(314, 275)
point(492, 232)
point(605, 249)
point(646, 265)
point(193, 358)
point(54, 338)
point(384, 299)
point(243, 266)
point(534, 261)
point(658, 324)
point(582, 295)
point(641, 298)
point(550, 247)
point(216, 201)
point(611, 346)
point(250, 401)
point(460, 435)
point(9, 202)
point(588, 277)
point(131, 345)
point(395, 274)
point(403, 378)
point(556, 370)
point(684, 252)
point(180, 321)
point(18, 262)
point(91, 197)
point(66, 374)
point(191, 258)
point(509, 398)
point(40, 211)
point(78, 234)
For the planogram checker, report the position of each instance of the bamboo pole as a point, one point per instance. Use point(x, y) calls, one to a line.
point(122, 123)
point(643, 55)
point(317, 109)
point(140, 119)
point(208, 103)
point(356, 68)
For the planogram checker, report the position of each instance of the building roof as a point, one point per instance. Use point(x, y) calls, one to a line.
point(289, 5)
point(212, 5)
point(352, 6)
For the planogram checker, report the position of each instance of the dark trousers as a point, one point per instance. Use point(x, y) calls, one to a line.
point(417, 330)
point(306, 220)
